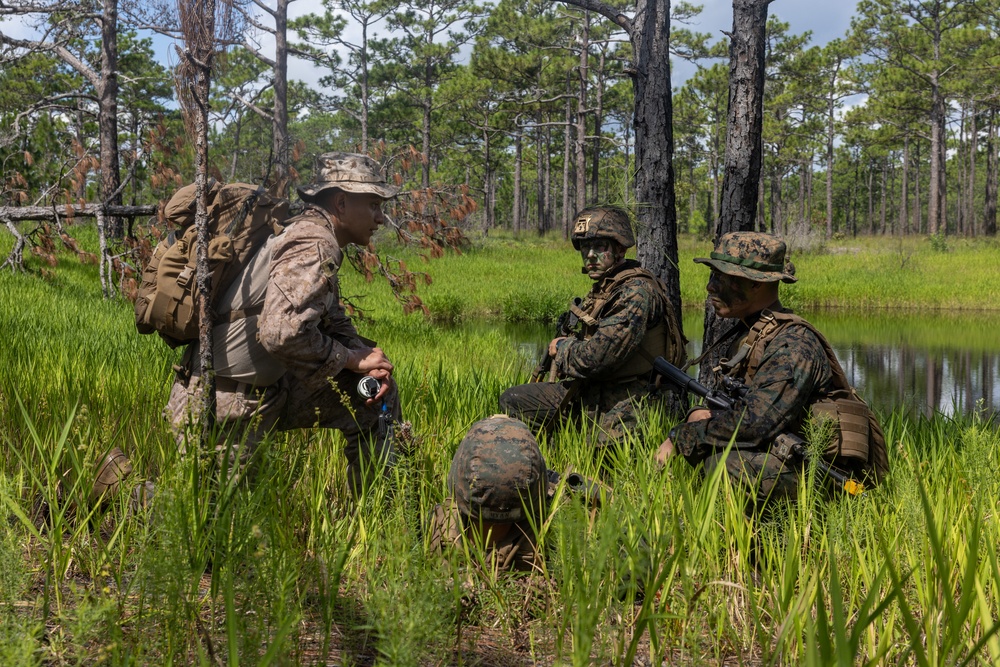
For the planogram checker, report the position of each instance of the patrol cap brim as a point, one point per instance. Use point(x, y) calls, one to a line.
point(746, 268)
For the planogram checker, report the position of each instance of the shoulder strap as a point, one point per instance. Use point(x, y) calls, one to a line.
point(778, 321)
point(617, 283)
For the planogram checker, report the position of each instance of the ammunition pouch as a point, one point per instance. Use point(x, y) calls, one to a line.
point(852, 427)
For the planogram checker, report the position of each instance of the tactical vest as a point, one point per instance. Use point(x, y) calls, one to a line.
point(664, 339)
point(858, 438)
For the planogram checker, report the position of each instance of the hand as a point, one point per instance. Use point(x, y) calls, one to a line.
point(385, 379)
point(699, 415)
point(372, 361)
point(665, 453)
point(367, 360)
point(554, 345)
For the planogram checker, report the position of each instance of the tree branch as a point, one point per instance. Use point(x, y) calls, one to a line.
point(606, 11)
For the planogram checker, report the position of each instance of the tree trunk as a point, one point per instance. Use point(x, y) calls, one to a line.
point(960, 203)
point(802, 192)
point(830, 135)
point(871, 202)
point(108, 115)
point(539, 176)
point(990, 205)
point(581, 117)
point(654, 147)
point(973, 150)
point(489, 183)
point(517, 224)
point(936, 195)
point(547, 185)
point(917, 212)
point(427, 104)
point(745, 118)
point(204, 273)
point(280, 142)
point(761, 222)
point(777, 205)
point(882, 198)
point(741, 181)
point(364, 87)
point(905, 189)
point(595, 160)
point(567, 141)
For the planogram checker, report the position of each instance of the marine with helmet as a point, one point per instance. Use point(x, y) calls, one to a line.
point(624, 322)
point(498, 494)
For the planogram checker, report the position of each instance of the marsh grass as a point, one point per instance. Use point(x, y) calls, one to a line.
point(288, 570)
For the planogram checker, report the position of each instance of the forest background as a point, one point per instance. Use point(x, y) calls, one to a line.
point(499, 121)
point(527, 107)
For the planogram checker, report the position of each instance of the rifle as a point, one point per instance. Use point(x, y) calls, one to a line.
point(787, 446)
point(565, 327)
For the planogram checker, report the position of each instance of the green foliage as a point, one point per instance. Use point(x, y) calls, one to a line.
point(289, 570)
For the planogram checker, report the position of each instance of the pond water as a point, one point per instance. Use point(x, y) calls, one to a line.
point(931, 363)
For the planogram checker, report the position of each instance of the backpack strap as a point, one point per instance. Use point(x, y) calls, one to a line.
point(751, 349)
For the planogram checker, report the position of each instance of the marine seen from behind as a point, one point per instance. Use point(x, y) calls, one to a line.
point(498, 495)
point(784, 383)
point(600, 362)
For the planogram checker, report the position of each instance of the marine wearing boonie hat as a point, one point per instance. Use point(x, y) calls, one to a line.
point(753, 255)
point(350, 172)
point(497, 470)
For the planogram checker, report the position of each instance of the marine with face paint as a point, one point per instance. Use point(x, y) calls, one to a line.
point(603, 371)
point(786, 365)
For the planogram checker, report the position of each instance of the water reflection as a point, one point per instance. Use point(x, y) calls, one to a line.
point(931, 363)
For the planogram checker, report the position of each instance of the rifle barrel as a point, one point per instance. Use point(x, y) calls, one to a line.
point(680, 379)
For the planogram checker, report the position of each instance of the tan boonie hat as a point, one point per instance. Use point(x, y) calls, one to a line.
point(350, 172)
point(759, 257)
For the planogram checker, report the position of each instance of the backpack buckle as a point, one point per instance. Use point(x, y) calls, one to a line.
point(184, 277)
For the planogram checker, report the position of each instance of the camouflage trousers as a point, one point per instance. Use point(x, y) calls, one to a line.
point(244, 415)
point(613, 408)
point(760, 475)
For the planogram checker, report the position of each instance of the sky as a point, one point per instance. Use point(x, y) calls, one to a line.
point(826, 20)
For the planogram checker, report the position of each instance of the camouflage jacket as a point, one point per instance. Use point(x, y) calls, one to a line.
point(516, 551)
point(794, 372)
point(302, 323)
point(634, 308)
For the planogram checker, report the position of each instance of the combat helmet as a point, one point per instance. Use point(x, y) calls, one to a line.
point(498, 471)
point(603, 222)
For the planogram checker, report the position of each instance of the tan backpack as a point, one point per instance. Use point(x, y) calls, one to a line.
point(241, 217)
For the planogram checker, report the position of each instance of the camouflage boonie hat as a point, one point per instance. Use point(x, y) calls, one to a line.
point(759, 257)
point(350, 172)
point(603, 222)
point(497, 471)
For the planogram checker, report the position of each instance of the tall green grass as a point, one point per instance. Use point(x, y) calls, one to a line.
point(289, 570)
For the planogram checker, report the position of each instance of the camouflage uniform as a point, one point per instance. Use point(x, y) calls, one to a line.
point(627, 321)
point(304, 327)
point(497, 477)
point(792, 373)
